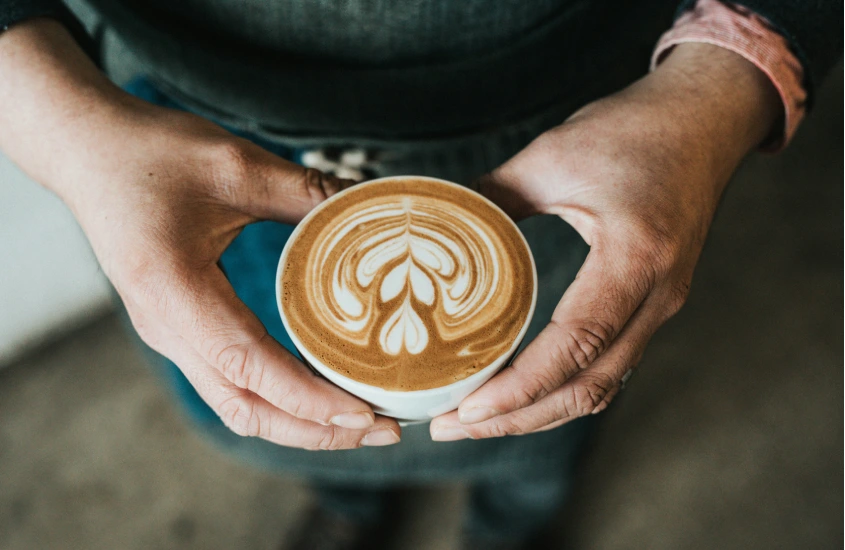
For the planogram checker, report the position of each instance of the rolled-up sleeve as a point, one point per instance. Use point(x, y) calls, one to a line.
point(794, 43)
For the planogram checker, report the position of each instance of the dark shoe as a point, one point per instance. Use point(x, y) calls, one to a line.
point(324, 530)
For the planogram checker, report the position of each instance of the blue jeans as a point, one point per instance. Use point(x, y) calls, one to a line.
point(517, 483)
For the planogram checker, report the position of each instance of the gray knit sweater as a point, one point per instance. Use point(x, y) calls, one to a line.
point(405, 68)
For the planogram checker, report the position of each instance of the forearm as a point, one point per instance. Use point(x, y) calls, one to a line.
point(54, 102)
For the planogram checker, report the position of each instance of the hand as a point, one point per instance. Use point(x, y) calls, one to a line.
point(639, 176)
point(160, 195)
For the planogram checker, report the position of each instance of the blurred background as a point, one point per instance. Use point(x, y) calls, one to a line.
point(730, 435)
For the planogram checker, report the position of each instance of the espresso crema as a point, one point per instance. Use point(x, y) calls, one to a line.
point(407, 284)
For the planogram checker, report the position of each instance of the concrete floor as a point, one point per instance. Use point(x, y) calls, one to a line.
point(729, 436)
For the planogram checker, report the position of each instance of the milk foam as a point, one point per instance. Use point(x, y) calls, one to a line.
point(408, 285)
point(416, 250)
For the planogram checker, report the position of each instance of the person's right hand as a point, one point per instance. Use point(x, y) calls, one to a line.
point(160, 195)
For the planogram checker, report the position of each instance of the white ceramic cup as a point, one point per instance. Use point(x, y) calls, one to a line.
point(406, 406)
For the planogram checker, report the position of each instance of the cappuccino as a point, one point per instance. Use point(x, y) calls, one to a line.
point(407, 284)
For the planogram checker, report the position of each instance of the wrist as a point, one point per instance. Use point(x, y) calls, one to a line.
point(53, 101)
point(727, 105)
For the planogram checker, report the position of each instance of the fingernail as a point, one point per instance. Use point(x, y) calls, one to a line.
point(477, 414)
point(353, 421)
point(380, 438)
point(449, 434)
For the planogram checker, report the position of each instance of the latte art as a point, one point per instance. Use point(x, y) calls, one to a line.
point(400, 256)
point(407, 285)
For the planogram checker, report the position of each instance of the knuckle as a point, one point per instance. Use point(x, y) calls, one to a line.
point(543, 383)
point(658, 248)
point(678, 294)
point(527, 394)
point(239, 365)
point(533, 385)
point(502, 427)
point(584, 342)
point(330, 440)
point(239, 415)
point(582, 397)
point(317, 186)
point(294, 407)
point(233, 361)
point(608, 399)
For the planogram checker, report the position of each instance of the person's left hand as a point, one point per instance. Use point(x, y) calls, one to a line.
point(639, 176)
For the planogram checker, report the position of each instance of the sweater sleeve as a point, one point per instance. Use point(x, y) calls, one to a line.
point(17, 11)
point(813, 29)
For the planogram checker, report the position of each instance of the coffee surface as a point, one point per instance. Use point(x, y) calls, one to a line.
point(407, 284)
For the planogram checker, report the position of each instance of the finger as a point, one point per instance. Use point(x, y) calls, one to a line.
point(251, 416)
point(592, 312)
point(601, 407)
point(580, 395)
point(203, 309)
point(267, 186)
point(586, 393)
point(247, 414)
point(605, 403)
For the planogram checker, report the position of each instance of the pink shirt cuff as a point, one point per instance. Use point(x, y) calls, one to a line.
point(742, 31)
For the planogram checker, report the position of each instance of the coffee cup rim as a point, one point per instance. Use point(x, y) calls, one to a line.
point(314, 363)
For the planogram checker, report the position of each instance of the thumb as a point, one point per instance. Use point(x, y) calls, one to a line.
point(266, 186)
point(524, 185)
point(205, 312)
point(593, 311)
